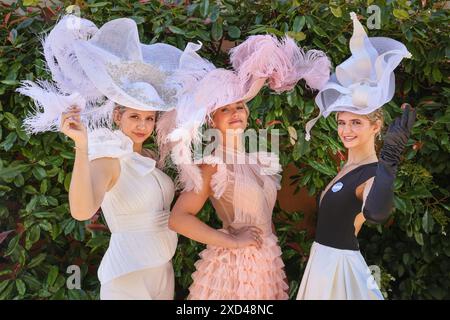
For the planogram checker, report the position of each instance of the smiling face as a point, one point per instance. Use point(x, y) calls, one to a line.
point(356, 130)
point(230, 117)
point(136, 124)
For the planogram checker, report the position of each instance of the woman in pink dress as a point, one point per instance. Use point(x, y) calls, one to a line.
point(242, 259)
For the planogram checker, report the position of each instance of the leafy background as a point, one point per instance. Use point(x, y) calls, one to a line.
point(38, 237)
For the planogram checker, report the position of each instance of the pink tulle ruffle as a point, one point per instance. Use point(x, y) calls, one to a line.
point(240, 274)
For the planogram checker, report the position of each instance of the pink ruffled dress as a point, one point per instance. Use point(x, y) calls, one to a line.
point(244, 195)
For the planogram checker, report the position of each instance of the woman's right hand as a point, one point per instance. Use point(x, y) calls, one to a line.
point(247, 236)
point(72, 127)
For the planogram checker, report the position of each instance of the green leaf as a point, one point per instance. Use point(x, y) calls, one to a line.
point(216, 31)
point(406, 259)
point(301, 147)
point(99, 241)
point(437, 75)
point(39, 173)
point(45, 214)
point(204, 8)
point(44, 186)
point(8, 143)
point(419, 192)
point(30, 189)
point(419, 238)
point(4, 284)
point(176, 30)
point(10, 82)
point(400, 204)
point(297, 36)
point(427, 222)
point(12, 171)
point(319, 31)
point(37, 260)
point(21, 288)
point(322, 168)
point(70, 226)
point(215, 13)
point(336, 11)
point(138, 20)
point(32, 204)
point(52, 275)
point(31, 3)
point(401, 14)
point(19, 181)
point(67, 181)
point(234, 32)
point(299, 23)
point(12, 245)
point(98, 4)
point(32, 236)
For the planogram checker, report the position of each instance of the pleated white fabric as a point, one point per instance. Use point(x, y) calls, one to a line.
point(136, 209)
point(336, 274)
point(147, 284)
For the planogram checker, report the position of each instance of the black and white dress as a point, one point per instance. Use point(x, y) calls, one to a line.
point(336, 270)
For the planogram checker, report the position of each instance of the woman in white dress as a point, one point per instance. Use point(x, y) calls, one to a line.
point(100, 75)
point(113, 171)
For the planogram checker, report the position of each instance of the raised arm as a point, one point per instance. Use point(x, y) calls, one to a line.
point(184, 221)
point(378, 200)
point(90, 180)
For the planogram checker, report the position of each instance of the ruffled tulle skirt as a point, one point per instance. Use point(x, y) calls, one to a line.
point(336, 274)
point(240, 274)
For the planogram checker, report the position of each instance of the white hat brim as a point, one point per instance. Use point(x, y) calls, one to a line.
point(96, 63)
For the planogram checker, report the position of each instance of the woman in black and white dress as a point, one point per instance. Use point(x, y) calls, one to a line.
point(363, 189)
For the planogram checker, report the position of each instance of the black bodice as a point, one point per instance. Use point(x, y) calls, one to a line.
point(339, 208)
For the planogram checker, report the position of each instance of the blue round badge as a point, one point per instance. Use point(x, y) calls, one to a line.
point(338, 186)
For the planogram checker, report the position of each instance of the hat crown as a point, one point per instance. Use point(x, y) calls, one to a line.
point(119, 37)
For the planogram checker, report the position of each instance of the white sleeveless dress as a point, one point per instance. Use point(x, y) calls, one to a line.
point(137, 264)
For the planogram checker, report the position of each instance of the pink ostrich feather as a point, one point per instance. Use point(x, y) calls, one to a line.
point(314, 67)
point(282, 62)
point(261, 57)
point(164, 126)
point(208, 95)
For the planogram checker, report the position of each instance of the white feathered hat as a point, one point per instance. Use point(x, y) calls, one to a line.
point(365, 81)
point(97, 69)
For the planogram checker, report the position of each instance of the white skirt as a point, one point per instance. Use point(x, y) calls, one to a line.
point(156, 283)
point(336, 274)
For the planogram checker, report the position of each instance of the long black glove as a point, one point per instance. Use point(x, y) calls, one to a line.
point(379, 201)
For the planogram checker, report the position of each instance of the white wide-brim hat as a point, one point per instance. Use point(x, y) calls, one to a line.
point(97, 69)
point(365, 81)
point(113, 61)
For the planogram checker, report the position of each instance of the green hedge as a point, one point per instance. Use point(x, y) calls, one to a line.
point(39, 239)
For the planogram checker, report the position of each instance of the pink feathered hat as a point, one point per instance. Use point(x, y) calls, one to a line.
point(202, 88)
